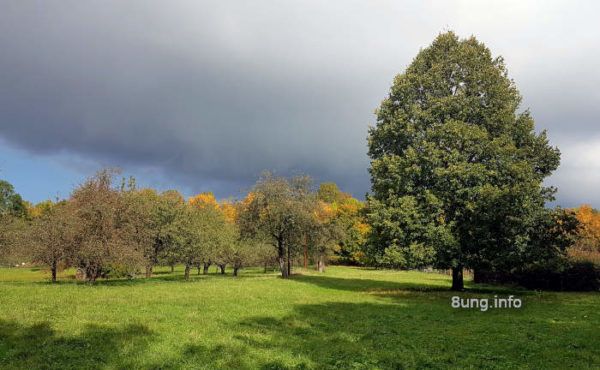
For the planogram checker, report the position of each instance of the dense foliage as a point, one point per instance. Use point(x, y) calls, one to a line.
point(456, 170)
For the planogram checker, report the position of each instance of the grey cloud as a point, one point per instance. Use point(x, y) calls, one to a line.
point(208, 94)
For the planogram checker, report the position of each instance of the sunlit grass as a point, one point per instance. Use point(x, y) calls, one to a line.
point(345, 318)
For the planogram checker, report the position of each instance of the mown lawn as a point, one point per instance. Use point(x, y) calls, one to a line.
point(345, 318)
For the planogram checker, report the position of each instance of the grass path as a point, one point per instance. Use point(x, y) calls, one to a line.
point(345, 318)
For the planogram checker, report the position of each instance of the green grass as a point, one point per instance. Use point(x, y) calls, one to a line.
point(345, 318)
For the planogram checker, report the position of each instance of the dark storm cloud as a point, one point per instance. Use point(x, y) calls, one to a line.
point(210, 94)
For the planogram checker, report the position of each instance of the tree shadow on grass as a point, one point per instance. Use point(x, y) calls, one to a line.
point(360, 285)
point(40, 347)
point(384, 287)
point(175, 277)
point(337, 335)
point(416, 333)
point(156, 277)
point(111, 281)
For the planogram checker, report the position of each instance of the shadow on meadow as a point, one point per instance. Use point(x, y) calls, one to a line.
point(388, 288)
point(416, 332)
point(360, 285)
point(332, 335)
point(157, 276)
point(416, 328)
point(355, 335)
point(97, 347)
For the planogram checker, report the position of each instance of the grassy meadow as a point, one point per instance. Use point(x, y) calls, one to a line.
point(347, 318)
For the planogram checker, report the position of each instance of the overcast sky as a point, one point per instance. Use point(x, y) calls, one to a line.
point(204, 95)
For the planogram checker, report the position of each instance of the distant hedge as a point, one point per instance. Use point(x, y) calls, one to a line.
point(579, 276)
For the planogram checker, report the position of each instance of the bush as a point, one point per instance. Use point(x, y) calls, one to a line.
point(578, 276)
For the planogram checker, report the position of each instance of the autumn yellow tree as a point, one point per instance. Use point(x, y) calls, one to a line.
point(205, 199)
point(230, 210)
point(347, 213)
point(587, 247)
point(323, 234)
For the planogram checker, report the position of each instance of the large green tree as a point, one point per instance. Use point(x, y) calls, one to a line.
point(456, 169)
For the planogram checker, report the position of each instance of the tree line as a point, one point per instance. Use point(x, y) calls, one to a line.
point(115, 229)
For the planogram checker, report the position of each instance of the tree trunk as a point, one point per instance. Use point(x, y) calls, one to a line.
point(199, 269)
point(320, 264)
point(235, 270)
point(148, 271)
point(91, 273)
point(265, 268)
point(222, 269)
point(281, 259)
point(206, 266)
point(304, 257)
point(477, 276)
point(187, 272)
point(53, 271)
point(457, 279)
point(172, 268)
point(284, 271)
point(289, 267)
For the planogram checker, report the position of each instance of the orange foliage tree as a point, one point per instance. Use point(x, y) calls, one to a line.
point(205, 199)
point(347, 213)
point(587, 247)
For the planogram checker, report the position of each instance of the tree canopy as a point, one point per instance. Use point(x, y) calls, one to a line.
point(456, 168)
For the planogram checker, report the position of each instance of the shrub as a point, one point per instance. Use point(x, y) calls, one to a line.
point(577, 276)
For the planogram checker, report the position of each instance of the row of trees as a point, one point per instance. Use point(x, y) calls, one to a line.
point(107, 228)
